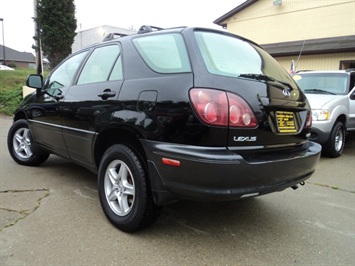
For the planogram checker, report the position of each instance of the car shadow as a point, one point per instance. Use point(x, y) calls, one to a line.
point(202, 219)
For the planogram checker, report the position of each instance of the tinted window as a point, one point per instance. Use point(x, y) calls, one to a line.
point(352, 81)
point(230, 56)
point(64, 74)
point(164, 53)
point(99, 65)
point(116, 73)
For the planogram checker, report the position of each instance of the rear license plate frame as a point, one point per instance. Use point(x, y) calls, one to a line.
point(286, 122)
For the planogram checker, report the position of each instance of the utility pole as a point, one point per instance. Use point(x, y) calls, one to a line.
point(39, 63)
point(3, 40)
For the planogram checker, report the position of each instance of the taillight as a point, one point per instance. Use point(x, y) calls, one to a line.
point(308, 120)
point(240, 114)
point(220, 108)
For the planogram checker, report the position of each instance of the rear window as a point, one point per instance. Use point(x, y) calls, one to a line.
point(230, 56)
point(164, 53)
point(331, 83)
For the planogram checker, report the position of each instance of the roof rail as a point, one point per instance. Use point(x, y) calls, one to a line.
point(304, 70)
point(112, 36)
point(147, 28)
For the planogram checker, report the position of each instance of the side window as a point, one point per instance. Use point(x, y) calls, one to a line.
point(352, 81)
point(164, 53)
point(64, 74)
point(117, 73)
point(99, 65)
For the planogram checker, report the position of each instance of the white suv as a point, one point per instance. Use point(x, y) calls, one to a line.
point(331, 95)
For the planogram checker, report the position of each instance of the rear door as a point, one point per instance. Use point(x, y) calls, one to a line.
point(88, 102)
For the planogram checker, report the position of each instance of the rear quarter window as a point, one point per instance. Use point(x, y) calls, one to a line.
point(164, 53)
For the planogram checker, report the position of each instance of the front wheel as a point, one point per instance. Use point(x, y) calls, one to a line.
point(335, 145)
point(20, 145)
point(124, 189)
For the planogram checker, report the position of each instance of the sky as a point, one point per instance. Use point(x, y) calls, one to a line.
point(19, 27)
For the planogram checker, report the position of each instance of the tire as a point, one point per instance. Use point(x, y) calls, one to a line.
point(335, 145)
point(124, 189)
point(20, 145)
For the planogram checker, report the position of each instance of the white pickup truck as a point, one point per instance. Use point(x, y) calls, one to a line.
point(331, 95)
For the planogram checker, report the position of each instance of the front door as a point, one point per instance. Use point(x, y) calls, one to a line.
point(45, 119)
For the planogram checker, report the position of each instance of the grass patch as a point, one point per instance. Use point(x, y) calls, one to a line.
point(10, 100)
point(11, 88)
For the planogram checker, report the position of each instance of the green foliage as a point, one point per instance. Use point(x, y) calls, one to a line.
point(10, 100)
point(57, 24)
point(11, 64)
point(11, 83)
point(12, 78)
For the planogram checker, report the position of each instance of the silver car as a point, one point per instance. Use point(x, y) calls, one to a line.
point(331, 95)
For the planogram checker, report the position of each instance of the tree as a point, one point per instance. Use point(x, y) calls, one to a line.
point(57, 23)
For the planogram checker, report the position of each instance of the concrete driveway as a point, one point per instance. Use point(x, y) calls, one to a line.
point(51, 215)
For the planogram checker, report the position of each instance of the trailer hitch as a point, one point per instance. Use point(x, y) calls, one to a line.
point(296, 186)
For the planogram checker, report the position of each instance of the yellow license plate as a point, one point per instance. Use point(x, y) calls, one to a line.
point(286, 122)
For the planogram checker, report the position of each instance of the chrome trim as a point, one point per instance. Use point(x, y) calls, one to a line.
point(63, 127)
point(237, 148)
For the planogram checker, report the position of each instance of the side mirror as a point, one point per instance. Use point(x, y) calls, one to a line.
point(34, 81)
point(352, 96)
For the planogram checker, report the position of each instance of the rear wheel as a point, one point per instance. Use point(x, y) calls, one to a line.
point(124, 189)
point(335, 145)
point(20, 145)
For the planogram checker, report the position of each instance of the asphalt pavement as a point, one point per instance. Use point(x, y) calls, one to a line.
point(51, 215)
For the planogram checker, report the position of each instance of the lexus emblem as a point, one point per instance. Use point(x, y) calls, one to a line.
point(287, 93)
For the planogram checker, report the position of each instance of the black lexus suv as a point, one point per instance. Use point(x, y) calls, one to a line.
point(169, 114)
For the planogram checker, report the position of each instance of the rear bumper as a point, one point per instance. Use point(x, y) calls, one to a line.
point(218, 174)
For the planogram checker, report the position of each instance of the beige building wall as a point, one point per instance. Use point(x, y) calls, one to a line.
point(294, 20)
point(316, 62)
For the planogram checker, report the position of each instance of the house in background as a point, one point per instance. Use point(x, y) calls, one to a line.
point(321, 34)
point(19, 59)
point(87, 37)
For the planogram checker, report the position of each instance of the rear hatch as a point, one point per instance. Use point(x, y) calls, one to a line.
point(239, 67)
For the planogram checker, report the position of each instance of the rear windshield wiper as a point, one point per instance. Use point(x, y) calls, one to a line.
point(319, 91)
point(257, 77)
point(265, 78)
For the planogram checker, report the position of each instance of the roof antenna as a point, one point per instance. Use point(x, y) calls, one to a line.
point(299, 56)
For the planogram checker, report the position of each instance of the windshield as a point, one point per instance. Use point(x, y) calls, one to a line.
point(230, 56)
point(323, 83)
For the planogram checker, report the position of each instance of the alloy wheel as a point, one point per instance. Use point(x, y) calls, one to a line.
point(119, 187)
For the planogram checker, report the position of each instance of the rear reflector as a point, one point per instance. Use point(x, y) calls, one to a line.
point(170, 162)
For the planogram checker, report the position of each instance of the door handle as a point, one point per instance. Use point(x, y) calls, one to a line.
point(107, 94)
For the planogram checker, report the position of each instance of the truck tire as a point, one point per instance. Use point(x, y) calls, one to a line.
point(335, 145)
